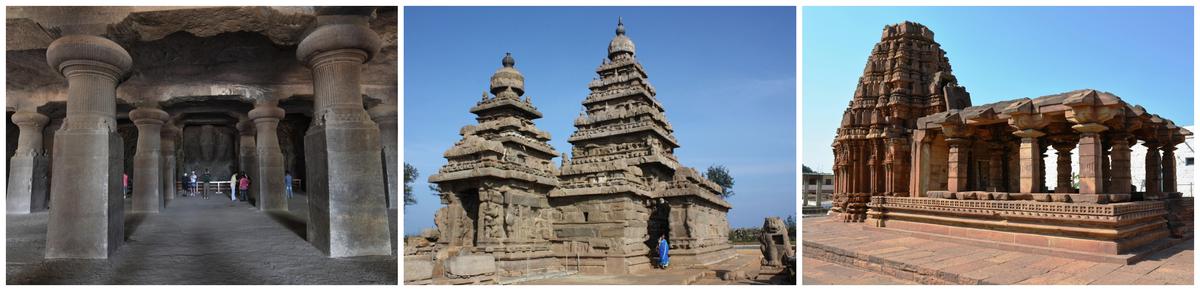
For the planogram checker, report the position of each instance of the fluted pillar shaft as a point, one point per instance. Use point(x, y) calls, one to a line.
point(1168, 168)
point(1120, 166)
point(385, 116)
point(347, 207)
point(167, 166)
point(1064, 168)
point(147, 180)
point(26, 162)
point(86, 202)
point(271, 196)
point(1153, 170)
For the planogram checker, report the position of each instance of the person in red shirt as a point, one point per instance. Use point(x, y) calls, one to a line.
point(244, 186)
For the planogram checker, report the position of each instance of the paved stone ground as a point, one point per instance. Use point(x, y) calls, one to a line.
point(926, 261)
point(746, 260)
point(818, 272)
point(196, 241)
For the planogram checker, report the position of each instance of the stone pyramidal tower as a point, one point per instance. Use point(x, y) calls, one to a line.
point(494, 187)
point(907, 76)
point(624, 187)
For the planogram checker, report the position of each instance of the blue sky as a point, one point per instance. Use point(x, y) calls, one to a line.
point(1142, 54)
point(726, 77)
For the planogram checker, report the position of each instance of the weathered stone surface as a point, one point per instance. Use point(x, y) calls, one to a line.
point(348, 200)
point(966, 176)
point(470, 265)
point(416, 269)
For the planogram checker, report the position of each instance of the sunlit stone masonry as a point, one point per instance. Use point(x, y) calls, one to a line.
point(509, 212)
point(912, 154)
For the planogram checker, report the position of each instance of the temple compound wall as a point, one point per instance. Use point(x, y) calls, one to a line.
point(977, 172)
point(510, 212)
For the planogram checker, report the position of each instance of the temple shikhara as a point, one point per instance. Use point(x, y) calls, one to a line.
point(509, 212)
point(913, 154)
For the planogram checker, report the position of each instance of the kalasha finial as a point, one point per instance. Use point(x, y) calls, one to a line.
point(508, 60)
point(620, 26)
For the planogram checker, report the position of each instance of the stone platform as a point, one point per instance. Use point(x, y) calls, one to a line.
point(746, 263)
point(929, 261)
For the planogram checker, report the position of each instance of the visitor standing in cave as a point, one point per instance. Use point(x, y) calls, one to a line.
point(287, 182)
point(192, 184)
point(233, 185)
point(244, 185)
point(125, 185)
point(663, 259)
point(206, 179)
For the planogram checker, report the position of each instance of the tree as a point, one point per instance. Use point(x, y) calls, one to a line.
point(720, 175)
point(806, 169)
point(791, 225)
point(410, 175)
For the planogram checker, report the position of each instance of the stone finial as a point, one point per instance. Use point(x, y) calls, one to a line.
point(335, 37)
point(620, 43)
point(507, 78)
point(83, 49)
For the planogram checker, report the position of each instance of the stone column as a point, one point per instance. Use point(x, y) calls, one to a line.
point(957, 165)
point(247, 157)
point(1120, 165)
point(1031, 160)
point(347, 212)
point(1153, 170)
point(1106, 166)
point(1091, 175)
point(168, 134)
point(266, 116)
point(385, 115)
point(86, 204)
point(1168, 167)
point(147, 183)
point(27, 163)
point(996, 167)
point(1064, 168)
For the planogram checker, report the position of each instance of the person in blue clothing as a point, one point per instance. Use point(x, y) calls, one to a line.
point(287, 182)
point(663, 259)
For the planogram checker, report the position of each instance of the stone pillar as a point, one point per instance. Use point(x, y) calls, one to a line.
point(385, 115)
point(1168, 168)
point(1091, 175)
point(996, 168)
point(1064, 168)
point(266, 116)
point(1106, 166)
point(169, 176)
point(1153, 170)
point(27, 164)
point(1120, 165)
point(347, 212)
point(957, 165)
point(86, 202)
point(1031, 160)
point(247, 157)
point(147, 182)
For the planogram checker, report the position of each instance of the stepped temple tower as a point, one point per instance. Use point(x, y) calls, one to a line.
point(623, 188)
point(907, 76)
point(977, 173)
point(509, 212)
point(495, 185)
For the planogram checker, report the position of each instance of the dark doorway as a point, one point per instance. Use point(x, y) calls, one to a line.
point(658, 226)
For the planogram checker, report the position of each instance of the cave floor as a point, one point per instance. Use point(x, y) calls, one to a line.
point(196, 241)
